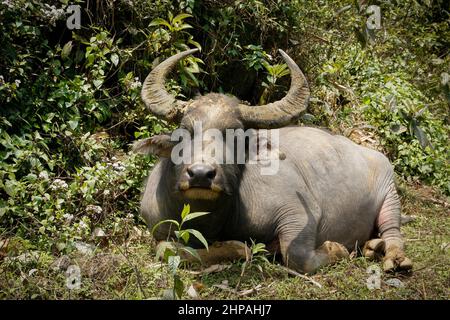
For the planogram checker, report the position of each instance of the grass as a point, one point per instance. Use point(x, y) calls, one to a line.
point(128, 270)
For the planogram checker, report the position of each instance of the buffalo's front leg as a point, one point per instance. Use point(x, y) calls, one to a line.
point(388, 224)
point(216, 253)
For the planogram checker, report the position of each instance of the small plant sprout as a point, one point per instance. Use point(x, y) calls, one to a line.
point(171, 252)
point(257, 257)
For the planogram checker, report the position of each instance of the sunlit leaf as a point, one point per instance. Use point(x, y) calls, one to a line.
point(165, 221)
point(160, 22)
point(66, 50)
point(194, 215)
point(199, 236)
point(186, 211)
point(184, 26)
point(180, 17)
point(115, 59)
point(183, 235)
point(73, 124)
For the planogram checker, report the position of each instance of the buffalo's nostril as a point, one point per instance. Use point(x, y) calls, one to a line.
point(201, 174)
point(211, 174)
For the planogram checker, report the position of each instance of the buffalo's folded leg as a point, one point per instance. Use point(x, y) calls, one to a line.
point(374, 249)
point(299, 251)
point(389, 227)
point(309, 261)
point(216, 253)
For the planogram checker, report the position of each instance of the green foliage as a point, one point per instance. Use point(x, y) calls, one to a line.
point(70, 107)
point(395, 95)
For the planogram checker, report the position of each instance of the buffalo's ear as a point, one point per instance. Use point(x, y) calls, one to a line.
point(159, 145)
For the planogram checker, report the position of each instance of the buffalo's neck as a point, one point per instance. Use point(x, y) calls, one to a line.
point(211, 225)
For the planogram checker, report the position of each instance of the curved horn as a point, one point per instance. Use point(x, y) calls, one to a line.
point(284, 111)
point(154, 93)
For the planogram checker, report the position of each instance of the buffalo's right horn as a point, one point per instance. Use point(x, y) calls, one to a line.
point(284, 111)
point(154, 93)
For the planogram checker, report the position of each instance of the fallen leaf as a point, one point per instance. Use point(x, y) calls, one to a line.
point(192, 292)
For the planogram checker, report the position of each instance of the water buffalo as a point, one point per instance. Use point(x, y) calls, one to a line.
point(328, 196)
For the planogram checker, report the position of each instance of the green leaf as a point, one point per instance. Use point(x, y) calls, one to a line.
point(420, 112)
point(98, 83)
point(195, 43)
point(11, 187)
point(186, 211)
point(199, 236)
point(66, 50)
point(183, 234)
point(178, 286)
point(361, 36)
point(307, 117)
point(165, 250)
point(243, 266)
point(404, 115)
point(279, 70)
point(345, 8)
point(194, 215)
point(193, 68)
point(420, 134)
point(173, 262)
point(165, 221)
point(180, 17)
point(73, 124)
point(193, 78)
point(160, 22)
point(259, 247)
point(397, 128)
point(115, 59)
point(184, 26)
point(192, 252)
point(168, 253)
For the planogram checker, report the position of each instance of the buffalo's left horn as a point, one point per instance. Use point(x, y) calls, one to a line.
point(154, 93)
point(284, 111)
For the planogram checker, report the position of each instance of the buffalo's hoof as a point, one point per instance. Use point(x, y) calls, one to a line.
point(374, 249)
point(225, 251)
point(334, 250)
point(395, 260)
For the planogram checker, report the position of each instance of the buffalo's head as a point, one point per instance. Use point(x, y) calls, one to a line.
point(203, 177)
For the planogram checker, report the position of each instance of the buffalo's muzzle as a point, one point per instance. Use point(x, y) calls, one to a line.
point(200, 175)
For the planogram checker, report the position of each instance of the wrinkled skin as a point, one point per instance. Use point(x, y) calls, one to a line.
point(328, 196)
